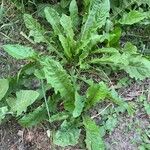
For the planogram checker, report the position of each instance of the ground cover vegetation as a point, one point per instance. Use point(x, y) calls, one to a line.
point(56, 86)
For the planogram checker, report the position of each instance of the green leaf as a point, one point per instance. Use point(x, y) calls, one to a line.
point(98, 12)
point(130, 61)
point(147, 107)
point(24, 98)
point(66, 46)
point(60, 81)
point(132, 17)
point(96, 93)
point(73, 9)
point(39, 74)
point(41, 6)
point(19, 51)
point(36, 30)
point(140, 2)
point(138, 68)
point(87, 44)
point(3, 112)
point(4, 86)
point(115, 39)
point(68, 28)
point(130, 48)
point(64, 3)
point(105, 50)
point(115, 98)
point(79, 105)
point(68, 135)
point(59, 117)
point(68, 41)
point(111, 123)
point(54, 19)
point(35, 117)
point(93, 136)
point(99, 92)
point(114, 59)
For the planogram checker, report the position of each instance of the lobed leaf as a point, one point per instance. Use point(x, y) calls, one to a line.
point(59, 117)
point(93, 136)
point(24, 98)
point(66, 23)
point(115, 98)
point(96, 93)
point(60, 81)
point(54, 19)
point(66, 46)
point(79, 105)
point(132, 17)
point(68, 135)
point(34, 118)
point(99, 92)
point(138, 68)
point(73, 9)
point(98, 12)
point(111, 123)
point(19, 52)
point(36, 30)
point(86, 45)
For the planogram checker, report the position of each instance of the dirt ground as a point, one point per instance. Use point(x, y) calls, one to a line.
point(13, 137)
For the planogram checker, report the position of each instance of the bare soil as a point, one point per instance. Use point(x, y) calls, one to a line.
point(14, 137)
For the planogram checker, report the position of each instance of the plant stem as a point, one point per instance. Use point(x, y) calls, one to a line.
point(43, 90)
